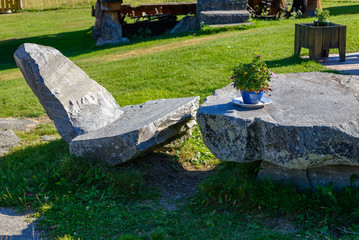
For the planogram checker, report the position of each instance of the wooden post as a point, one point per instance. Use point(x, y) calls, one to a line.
point(299, 5)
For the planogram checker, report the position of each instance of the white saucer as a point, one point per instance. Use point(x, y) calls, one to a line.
point(239, 101)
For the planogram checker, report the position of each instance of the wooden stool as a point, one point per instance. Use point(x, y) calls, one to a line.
point(320, 39)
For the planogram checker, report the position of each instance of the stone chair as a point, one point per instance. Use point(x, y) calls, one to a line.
point(87, 116)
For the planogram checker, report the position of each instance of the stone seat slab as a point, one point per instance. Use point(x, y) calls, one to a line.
point(88, 117)
point(141, 128)
point(213, 17)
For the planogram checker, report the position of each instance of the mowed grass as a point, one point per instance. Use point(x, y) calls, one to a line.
point(81, 199)
point(179, 66)
point(60, 4)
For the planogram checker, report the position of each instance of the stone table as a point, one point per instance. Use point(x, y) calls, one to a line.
point(308, 136)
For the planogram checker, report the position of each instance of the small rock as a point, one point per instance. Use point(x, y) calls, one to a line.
point(48, 138)
point(8, 139)
point(187, 24)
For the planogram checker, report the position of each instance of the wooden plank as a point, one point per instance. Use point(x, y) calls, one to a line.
point(2, 6)
point(7, 5)
point(176, 8)
point(326, 37)
point(17, 4)
point(12, 5)
point(311, 42)
point(318, 43)
point(306, 36)
point(342, 42)
point(334, 37)
point(297, 40)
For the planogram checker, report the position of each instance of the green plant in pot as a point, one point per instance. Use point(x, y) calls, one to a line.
point(252, 80)
point(322, 17)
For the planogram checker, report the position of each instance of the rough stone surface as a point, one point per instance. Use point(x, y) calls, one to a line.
point(7, 139)
point(207, 5)
point(16, 124)
point(141, 128)
point(76, 103)
point(108, 27)
point(187, 24)
point(224, 17)
point(340, 175)
point(313, 121)
point(99, 14)
point(213, 12)
point(111, 31)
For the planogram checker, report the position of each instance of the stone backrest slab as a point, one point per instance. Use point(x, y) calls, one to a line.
point(76, 103)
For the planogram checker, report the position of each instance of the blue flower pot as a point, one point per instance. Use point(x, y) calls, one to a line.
point(251, 97)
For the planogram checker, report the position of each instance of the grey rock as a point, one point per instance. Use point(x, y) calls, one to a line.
point(224, 17)
point(187, 24)
point(312, 122)
point(111, 31)
point(140, 129)
point(8, 139)
point(48, 138)
point(76, 103)
point(340, 176)
point(213, 12)
point(207, 5)
point(16, 124)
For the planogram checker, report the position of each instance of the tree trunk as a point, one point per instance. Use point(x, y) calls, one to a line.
point(299, 5)
point(311, 6)
point(277, 6)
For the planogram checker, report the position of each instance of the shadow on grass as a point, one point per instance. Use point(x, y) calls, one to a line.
point(69, 43)
point(285, 62)
point(80, 42)
point(340, 10)
point(81, 190)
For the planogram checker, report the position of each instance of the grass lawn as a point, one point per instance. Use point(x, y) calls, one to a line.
point(77, 200)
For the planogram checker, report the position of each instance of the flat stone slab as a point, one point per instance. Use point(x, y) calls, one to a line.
point(312, 122)
point(224, 16)
point(141, 128)
point(207, 5)
point(17, 124)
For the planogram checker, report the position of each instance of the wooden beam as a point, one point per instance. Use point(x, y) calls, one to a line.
point(176, 8)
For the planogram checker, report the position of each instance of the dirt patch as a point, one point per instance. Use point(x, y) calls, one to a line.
point(24, 124)
point(173, 180)
point(10, 75)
